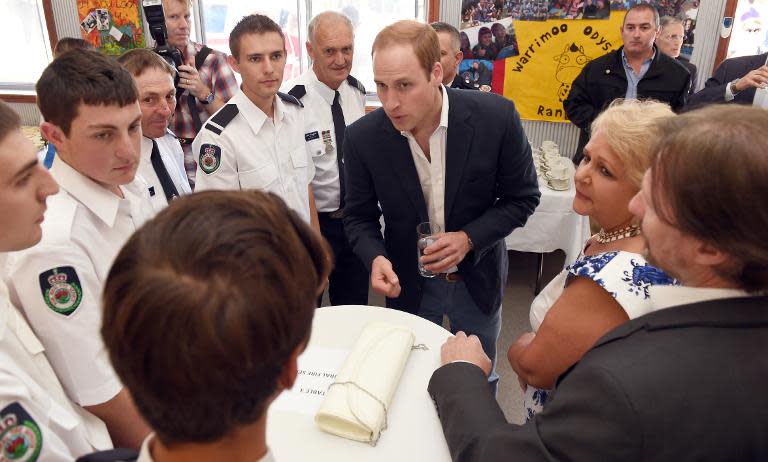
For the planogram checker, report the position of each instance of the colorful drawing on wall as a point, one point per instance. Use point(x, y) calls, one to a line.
point(552, 54)
point(113, 26)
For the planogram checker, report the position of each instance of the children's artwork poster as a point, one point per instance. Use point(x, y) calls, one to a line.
point(551, 55)
point(112, 26)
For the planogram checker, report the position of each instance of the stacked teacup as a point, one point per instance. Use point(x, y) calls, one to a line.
point(553, 168)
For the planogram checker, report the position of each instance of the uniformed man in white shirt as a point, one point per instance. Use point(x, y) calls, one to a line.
point(256, 141)
point(332, 100)
point(37, 420)
point(162, 159)
point(92, 116)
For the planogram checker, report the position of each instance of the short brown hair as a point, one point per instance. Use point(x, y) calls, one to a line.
point(711, 171)
point(252, 24)
point(421, 37)
point(9, 121)
point(641, 7)
point(139, 60)
point(82, 77)
point(71, 43)
point(199, 325)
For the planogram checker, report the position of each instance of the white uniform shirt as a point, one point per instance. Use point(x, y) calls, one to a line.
point(146, 456)
point(57, 284)
point(254, 151)
point(319, 127)
point(37, 420)
point(173, 159)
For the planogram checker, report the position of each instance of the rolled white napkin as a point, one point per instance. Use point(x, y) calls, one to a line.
point(357, 403)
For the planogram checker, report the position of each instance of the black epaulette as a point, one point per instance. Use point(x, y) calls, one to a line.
point(355, 83)
point(221, 119)
point(290, 99)
point(298, 91)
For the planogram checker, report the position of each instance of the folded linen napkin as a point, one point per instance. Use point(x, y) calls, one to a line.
point(356, 404)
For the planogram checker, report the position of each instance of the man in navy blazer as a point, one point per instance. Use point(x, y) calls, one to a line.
point(684, 382)
point(735, 81)
point(453, 157)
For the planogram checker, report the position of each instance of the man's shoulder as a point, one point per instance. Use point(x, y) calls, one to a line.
point(670, 65)
point(612, 58)
point(220, 120)
point(373, 122)
point(744, 63)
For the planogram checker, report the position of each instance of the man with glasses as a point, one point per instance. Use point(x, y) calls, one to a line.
point(670, 41)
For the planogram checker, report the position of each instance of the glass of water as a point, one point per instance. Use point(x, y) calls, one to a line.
point(426, 232)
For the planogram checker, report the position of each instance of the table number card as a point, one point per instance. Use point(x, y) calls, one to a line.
point(318, 368)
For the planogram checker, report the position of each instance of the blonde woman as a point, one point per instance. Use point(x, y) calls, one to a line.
point(608, 284)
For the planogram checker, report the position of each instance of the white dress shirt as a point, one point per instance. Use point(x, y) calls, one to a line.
point(432, 173)
point(259, 152)
point(318, 122)
point(173, 159)
point(57, 284)
point(33, 405)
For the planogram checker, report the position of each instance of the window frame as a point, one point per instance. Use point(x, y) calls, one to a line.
point(29, 96)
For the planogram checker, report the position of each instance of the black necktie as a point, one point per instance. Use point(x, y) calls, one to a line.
point(339, 126)
point(169, 189)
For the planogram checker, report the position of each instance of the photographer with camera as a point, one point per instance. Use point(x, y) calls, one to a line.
point(206, 82)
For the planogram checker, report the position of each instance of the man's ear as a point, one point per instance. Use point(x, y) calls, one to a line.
point(233, 63)
point(53, 134)
point(291, 368)
point(309, 49)
point(706, 254)
point(437, 72)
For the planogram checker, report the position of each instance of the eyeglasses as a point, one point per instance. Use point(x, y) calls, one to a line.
point(673, 37)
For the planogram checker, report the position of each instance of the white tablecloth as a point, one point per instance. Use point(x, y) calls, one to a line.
point(553, 225)
point(414, 432)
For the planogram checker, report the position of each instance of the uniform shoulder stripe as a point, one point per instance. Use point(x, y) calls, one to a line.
point(355, 83)
point(290, 99)
point(298, 91)
point(225, 115)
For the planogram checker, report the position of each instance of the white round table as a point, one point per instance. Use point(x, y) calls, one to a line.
point(414, 432)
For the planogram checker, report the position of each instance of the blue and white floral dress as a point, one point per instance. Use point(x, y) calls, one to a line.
point(626, 276)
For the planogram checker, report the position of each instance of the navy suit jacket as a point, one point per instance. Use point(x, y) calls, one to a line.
point(490, 189)
point(727, 71)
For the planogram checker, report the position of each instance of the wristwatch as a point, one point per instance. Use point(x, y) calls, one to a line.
point(732, 87)
point(208, 99)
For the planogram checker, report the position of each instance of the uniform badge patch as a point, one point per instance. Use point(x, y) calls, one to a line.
point(20, 436)
point(210, 158)
point(62, 290)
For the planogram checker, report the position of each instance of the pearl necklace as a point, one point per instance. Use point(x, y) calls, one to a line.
point(604, 237)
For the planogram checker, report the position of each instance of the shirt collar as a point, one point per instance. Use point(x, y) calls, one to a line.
point(146, 456)
point(326, 92)
point(667, 296)
point(255, 116)
point(626, 63)
point(146, 149)
point(103, 203)
point(443, 113)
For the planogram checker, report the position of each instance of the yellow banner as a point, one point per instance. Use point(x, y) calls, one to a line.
point(552, 54)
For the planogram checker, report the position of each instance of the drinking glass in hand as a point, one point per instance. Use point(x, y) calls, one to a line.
point(426, 232)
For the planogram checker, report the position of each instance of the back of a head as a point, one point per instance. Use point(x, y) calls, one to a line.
point(630, 127)
point(711, 171)
point(421, 37)
point(200, 325)
point(138, 60)
point(71, 43)
point(82, 77)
